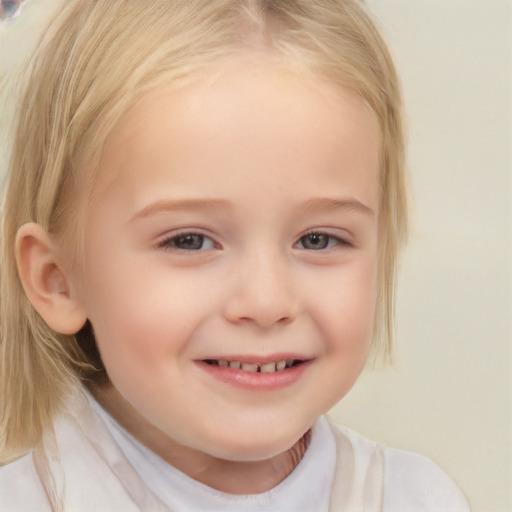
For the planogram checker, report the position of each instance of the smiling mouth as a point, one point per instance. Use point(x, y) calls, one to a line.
point(270, 367)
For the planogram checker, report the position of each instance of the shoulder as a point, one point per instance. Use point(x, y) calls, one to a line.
point(408, 482)
point(20, 487)
point(76, 467)
point(414, 482)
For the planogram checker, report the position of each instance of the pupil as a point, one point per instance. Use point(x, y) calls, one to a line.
point(316, 241)
point(190, 242)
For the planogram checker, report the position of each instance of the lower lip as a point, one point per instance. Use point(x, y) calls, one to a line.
point(256, 381)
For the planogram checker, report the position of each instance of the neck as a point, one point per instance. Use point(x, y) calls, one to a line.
point(233, 477)
point(251, 477)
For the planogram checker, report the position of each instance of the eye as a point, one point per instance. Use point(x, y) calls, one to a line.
point(317, 241)
point(188, 242)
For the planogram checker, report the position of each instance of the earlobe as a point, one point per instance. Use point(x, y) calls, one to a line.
point(45, 280)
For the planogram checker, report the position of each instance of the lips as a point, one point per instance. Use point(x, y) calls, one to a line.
point(255, 367)
point(254, 373)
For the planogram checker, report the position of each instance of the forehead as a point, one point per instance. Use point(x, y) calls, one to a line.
point(249, 118)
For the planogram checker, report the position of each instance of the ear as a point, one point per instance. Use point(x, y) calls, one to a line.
point(45, 280)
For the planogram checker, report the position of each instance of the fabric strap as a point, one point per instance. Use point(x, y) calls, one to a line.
point(358, 484)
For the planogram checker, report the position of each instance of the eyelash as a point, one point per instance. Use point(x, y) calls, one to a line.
point(332, 240)
point(171, 243)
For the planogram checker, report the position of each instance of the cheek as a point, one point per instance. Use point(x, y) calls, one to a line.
point(348, 309)
point(143, 315)
point(344, 315)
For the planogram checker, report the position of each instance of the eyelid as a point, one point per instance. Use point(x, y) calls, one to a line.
point(344, 239)
point(164, 241)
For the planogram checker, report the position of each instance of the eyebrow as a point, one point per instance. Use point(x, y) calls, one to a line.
point(314, 204)
point(166, 205)
point(328, 203)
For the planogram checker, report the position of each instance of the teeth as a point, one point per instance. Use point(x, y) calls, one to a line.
point(281, 365)
point(256, 367)
point(250, 367)
point(268, 368)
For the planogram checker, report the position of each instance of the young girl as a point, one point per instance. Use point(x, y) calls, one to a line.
point(204, 210)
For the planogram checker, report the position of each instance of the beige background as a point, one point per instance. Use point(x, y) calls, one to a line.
point(449, 394)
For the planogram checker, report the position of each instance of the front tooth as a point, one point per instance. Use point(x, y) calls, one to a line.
point(280, 365)
point(268, 368)
point(250, 367)
point(235, 365)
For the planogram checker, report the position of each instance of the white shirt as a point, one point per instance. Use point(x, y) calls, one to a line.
point(182, 493)
point(99, 467)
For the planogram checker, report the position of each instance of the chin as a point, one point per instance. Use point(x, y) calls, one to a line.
point(250, 447)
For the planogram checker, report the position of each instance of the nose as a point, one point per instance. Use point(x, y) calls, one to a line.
point(262, 291)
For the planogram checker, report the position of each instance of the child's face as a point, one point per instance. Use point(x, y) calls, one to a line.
point(235, 220)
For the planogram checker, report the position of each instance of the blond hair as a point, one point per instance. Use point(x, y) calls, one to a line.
point(92, 64)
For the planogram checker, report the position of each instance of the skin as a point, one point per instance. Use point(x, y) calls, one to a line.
point(250, 158)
